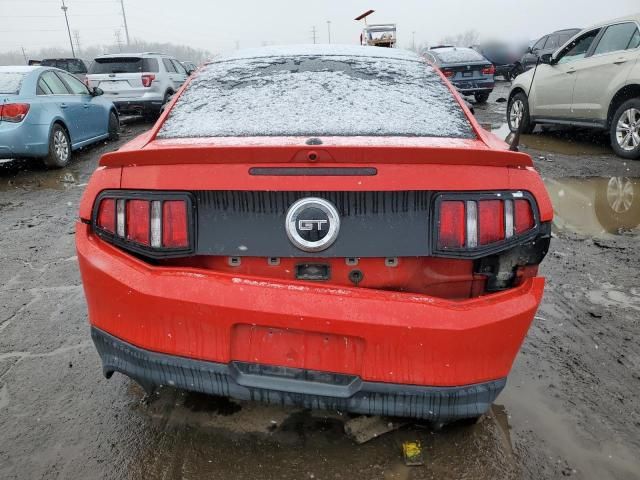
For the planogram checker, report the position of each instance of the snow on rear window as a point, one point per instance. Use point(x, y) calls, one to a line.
point(458, 55)
point(317, 95)
point(10, 82)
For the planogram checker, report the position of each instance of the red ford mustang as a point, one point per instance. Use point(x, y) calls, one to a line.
point(322, 227)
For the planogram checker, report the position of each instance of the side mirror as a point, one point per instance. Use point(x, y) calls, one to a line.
point(547, 59)
point(96, 92)
point(529, 49)
point(190, 71)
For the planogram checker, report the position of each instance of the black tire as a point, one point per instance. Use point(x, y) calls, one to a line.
point(59, 148)
point(626, 145)
point(481, 97)
point(114, 126)
point(527, 124)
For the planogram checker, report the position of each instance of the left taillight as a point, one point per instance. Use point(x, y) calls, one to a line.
point(13, 112)
point(154, 224)
point(469, 224)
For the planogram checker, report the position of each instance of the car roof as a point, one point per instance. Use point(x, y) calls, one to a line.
point(320, 50)
point(20, 68)
point(132, 54)
point(629, 18)
point(566, 30)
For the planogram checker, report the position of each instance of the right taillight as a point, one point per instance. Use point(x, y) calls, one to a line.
point(472, 224)
point(147, 79)
point(448, 73)
point(155, 224)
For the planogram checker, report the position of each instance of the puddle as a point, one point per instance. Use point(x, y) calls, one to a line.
point(557, 140)
point(596, 206)
point(25, 175)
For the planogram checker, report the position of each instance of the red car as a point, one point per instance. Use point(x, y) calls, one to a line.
point(321, 227)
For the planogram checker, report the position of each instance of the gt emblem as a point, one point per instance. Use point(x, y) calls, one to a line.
point(307, 225)
point(312, 224)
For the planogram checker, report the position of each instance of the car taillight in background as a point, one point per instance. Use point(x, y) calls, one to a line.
point(472, 224)
point(490, 70)
point(13, 112)
point(147, 79)
point(448, 73)
point(155, 224)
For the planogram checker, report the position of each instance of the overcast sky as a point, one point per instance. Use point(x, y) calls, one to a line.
point(217, 25)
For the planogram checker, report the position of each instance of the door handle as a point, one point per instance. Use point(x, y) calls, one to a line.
point(86, 105)
point(620, 61)
point(63, 105)
point(571, 71)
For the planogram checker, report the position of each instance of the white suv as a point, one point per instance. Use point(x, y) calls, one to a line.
point(137, 83)
point(591, 81)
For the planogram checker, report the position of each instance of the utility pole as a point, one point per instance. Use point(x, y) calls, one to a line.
point(313, 34)
point(413, 41)
point(118, 39)
point(124, 17)
point(237, 44)
point(76, 35)
point(329, 29)
point(24, 54)
point(64, 9)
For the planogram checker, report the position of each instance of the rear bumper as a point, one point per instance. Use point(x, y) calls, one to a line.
point(23, 140)
point(374, 335)
point(294, 387)
point(138, 106)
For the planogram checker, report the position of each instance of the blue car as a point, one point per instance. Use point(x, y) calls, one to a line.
point(47, 113)
point(466, 69)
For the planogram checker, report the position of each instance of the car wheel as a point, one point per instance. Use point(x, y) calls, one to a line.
point(617, 204)
point(114, 126)
point(59, 148)
point(625, 130)
point(518, 113)
point(481, 97)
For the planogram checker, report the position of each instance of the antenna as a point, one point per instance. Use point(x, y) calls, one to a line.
point(515, 141)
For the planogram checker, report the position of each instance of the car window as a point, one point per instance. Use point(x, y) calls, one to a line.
point(553, 42)
point(337, 95)
point(123, 65)
point(617, 37)
point(578, 48)
point(458, 55)
point(635, 40)
point(179, 68)
point(75, 85)
point(539, 45)
point(76, 66)
point(53, 84)
point(10, 82)
point(168, 66)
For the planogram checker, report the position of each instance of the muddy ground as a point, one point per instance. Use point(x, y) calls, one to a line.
point(570, 408)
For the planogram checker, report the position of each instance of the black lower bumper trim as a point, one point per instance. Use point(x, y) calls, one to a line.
point(295, 387)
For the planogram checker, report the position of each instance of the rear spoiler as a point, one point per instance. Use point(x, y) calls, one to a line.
point(465, 152)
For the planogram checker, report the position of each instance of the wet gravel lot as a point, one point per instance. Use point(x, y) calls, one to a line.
point(570, 408)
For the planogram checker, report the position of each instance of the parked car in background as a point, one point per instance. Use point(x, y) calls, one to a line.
point(137, 83)
point(547, 44)
point(503, 57)
point(74, 66)
point(47, 113)
point(466, 69)
point(239, 250)
point(593, 81)
point(190, 67)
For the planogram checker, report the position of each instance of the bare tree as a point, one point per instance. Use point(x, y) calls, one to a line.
point(466, 39)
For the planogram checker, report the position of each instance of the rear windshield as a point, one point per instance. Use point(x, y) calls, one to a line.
point(317, 96)
point(71, 65)
point(124, 65)
point(458, 55)
point(10, 82)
